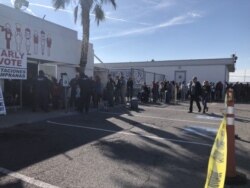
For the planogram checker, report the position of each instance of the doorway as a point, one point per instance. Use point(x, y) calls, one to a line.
point(180, 76)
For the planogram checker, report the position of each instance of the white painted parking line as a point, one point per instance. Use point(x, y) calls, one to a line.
point(188, 129)
point(166, 108)
point(27, 179)
point(129, 133)
point(170, 119)
point(181, 120)
point(209, 117)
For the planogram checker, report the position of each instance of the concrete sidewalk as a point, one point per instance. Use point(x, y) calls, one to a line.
point(24, 116)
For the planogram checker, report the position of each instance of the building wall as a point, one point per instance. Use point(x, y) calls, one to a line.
point(213, 70)
point(213, 73)
point(43, 42)
point(54, 42)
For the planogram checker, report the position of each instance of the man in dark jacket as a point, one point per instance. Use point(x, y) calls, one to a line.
point(195, 93)
point(73, 84)
point(110, 90)
point(85, 92)
point(41, 88)
point(130, 88)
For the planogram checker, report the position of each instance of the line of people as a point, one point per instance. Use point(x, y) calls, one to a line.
point(169, 91)
point(117, 89)
point(80, 92)
point(77, 95)
point(83, 89)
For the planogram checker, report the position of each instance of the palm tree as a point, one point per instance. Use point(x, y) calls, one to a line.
point(86, 6)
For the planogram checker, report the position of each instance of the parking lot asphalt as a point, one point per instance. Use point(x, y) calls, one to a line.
point(157, 146)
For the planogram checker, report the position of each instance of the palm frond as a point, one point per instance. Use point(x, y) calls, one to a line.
point(99, 14)
point(75, 13)
point(60, 3)
point(109, 1)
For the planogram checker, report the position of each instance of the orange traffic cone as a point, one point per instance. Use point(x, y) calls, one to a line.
point(232, 176)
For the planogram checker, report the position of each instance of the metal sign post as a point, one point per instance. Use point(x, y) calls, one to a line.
point(65, 85)
point(2, 105)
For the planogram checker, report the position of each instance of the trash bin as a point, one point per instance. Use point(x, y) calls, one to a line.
point(134, 103)
point(166, 97)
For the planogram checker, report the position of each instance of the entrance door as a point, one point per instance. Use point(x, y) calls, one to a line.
point(180, 76)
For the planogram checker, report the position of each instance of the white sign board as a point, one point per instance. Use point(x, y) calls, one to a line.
point(65, 81)
point(13, 65)
point(2, 105)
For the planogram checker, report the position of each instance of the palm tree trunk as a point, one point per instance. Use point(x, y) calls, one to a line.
point(85, 36)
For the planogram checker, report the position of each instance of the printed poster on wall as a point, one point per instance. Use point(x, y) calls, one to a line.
point(13, 65)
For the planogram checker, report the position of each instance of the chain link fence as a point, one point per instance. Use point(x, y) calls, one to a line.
point(139, 76)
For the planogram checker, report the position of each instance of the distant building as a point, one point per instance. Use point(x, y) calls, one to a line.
point(213, 70)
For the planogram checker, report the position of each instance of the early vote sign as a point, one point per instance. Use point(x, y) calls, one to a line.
point(13, 65)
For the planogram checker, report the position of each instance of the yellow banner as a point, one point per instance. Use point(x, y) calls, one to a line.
point(218, 159)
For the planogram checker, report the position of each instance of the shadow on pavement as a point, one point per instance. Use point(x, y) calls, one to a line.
point(24, 145)
point(162, 161)
point(17, 184)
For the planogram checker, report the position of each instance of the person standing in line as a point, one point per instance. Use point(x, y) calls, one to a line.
point(110, 90)
point(73, 84)
point(184, 89)
point(205, 95)
point(55, 93)
point(195, 93)
point(62, 92)
point(212, 98)
point(117, 90)
point(123, 90)
point(97, 91)
point(130, 87)
point(85, 92)
point(42, 91)
point(155, 90)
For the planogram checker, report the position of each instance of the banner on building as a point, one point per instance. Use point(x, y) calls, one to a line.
point(216, 172)
point(13, 65)
point(2, 105)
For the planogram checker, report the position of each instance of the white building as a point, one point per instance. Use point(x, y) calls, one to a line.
point(47, 46)
point(213, 70)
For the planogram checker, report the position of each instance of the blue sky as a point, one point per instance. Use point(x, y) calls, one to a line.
point(142, 30)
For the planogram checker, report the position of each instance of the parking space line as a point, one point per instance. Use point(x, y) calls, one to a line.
point(163, 118)
point(198, 133)
point(27, 179)
point(129, 133)
point(166, 108)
